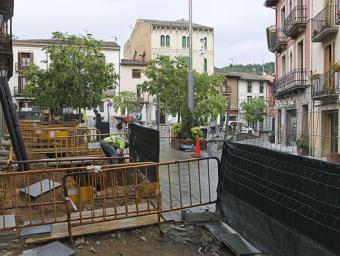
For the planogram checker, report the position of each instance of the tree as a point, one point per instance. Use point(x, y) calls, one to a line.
point(254, 110)
point(268, 68)
point(125, 100)
point(168, 80)
point(77, 76)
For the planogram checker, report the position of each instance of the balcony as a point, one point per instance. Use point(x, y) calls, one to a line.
point(21, 67)
point(225, 90)
point(290, 83)
point(338, 14)
point(6, 46)
point(296, 22)
point(326, 86)
point(18, 91)
point(323, 24)
point(270, 3)
point(278, 42)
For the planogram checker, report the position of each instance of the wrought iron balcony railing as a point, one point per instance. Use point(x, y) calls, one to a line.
point(279, 41)
point(20, 67)
point(326, 86)
point(295, 23)
point(323, 24)
point(270, 3)
point(292, 81)
point(18, 91)
point(225, 89)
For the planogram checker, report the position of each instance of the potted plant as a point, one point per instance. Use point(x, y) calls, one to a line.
point(302, 145)
point(179, 138)
point(336, 67)
point(196, 132)
point(271, 137)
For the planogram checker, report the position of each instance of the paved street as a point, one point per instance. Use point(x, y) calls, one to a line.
point(190, 183)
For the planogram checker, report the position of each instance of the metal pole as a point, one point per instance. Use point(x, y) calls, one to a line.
point(158, 113)
point(227, 121)
point(190, 72)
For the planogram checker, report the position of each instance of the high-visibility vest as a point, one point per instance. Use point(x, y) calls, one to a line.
point(115, 141)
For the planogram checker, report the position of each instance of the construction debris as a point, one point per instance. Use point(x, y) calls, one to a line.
point(35, 230)
point(40, 188)
point(7, 221)
point(200, 216)
point(231, 239)
point(55, 248)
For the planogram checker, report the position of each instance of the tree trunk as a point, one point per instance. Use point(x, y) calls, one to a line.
point(80, 117)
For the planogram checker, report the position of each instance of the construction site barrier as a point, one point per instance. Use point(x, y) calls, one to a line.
point(60, 145)
point(100, 195)
point(282, 203)
point(33, 198)
point(93, 194)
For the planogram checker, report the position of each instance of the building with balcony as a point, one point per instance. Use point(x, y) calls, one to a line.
point(153, 38)
point(325, 88)
point(240, 87)
point(30, 51)
point(324, 24)
point(290, 40)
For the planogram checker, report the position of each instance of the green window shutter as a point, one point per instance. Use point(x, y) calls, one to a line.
point(184, 42)
point(167, 41)
point(186, 59)
point(205, 43)
point(205, 65)
point(162, 40)
point(188, 42)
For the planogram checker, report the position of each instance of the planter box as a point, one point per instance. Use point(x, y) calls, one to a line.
point(302, 151)
point(333, 157)
point(175, 142)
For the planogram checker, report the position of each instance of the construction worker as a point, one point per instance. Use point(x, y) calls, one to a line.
point(113, 146)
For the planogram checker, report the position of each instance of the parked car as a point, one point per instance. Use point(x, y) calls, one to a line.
point(241, 126)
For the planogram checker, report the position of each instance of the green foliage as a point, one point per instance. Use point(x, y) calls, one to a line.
point(254, 110)
point(168, 79)
point(177, 130)
point(302, 141)
point(196, 132)
point(269, 68)
point(208, 99)
point(125, 100)
point(76, 77)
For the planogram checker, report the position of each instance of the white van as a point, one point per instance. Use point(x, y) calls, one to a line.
point(244, 127)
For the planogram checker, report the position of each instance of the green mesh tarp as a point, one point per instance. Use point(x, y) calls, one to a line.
point(144, 145)
point(283, 204)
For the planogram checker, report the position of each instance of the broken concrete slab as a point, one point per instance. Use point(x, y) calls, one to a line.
point(7, 221)
point(36, 230)
point(55, 248)
point(40, 187)
point(231, 239)
point(200, 216)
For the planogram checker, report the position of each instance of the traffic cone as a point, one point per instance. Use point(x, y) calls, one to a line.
point(197, 153)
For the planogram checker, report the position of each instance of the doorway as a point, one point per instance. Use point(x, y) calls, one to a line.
point(291, 127)
point(330, 132)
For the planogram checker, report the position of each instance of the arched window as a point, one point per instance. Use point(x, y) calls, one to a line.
point(162, 40)
point(184, 42)
point(188, 42)
point(167, 41)
point(205, 65)
point(205, 43)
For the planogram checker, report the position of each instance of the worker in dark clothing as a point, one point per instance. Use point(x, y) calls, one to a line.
point(113, 146)
point(98, 118)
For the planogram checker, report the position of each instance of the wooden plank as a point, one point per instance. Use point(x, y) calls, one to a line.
point(59, 231)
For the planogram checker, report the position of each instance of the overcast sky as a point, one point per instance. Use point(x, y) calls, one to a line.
point(239, 24)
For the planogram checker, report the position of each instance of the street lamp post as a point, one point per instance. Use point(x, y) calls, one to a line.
point(190, 72)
